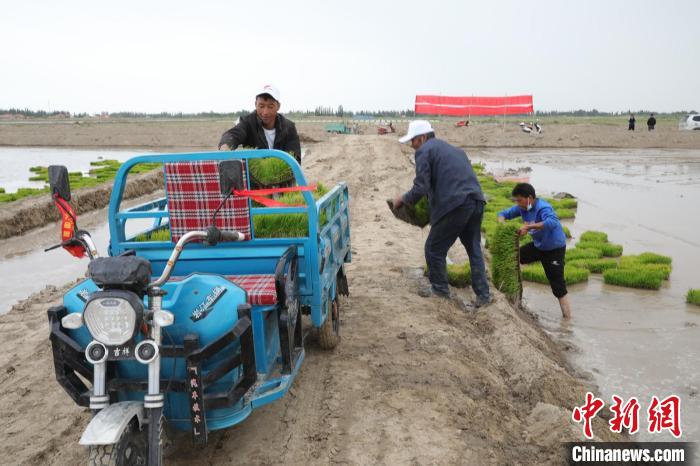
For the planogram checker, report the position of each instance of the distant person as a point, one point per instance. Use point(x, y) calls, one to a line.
point(265, 128)
point(548, 239)
point(651, 122)
point(444, 174)
point(631, 121)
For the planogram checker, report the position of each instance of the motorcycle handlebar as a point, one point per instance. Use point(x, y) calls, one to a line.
point(230, 236)
point(211, 237)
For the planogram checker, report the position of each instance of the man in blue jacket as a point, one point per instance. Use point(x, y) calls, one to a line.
point(548, 239)
point(445, 175)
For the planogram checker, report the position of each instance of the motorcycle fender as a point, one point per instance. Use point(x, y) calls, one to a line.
point(107, 425)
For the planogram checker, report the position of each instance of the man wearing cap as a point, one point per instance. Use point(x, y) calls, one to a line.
point(444, 174)
point(265, 128)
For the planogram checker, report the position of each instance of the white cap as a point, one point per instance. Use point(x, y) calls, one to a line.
point(271, 90)
point(416, 128)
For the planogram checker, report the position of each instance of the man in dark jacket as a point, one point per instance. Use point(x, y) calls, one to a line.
point(264, 129)
point(651, 122)
point(444, 174)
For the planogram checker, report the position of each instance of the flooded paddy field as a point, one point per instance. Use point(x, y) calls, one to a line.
point(16, 161)
point(631, 342)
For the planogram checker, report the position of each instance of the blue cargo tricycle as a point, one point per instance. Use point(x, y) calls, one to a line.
point(193, 321)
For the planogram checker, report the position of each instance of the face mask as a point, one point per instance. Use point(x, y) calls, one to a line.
point(529, 206)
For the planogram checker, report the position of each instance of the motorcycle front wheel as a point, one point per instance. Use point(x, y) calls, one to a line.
point(130, 450)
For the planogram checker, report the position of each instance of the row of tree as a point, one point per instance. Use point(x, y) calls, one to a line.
point(595, 112)
point(318, 111)
point(33, 113)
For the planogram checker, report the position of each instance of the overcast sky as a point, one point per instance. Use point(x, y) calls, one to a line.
point(151, 56)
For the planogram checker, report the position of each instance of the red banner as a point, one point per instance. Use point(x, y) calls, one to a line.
point(465, 106)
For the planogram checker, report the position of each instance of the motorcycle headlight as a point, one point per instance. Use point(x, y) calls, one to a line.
point(113, 317)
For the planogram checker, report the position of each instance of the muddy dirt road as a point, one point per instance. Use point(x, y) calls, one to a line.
point(414, 381)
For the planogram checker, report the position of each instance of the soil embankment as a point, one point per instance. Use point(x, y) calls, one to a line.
point(414, 381)
point(32, 212)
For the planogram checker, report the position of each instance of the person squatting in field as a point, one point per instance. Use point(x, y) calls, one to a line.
point(548, 239)
point(265, 128)
point(444, 174)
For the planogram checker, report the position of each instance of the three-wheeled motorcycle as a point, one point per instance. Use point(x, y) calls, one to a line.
point(193, 321)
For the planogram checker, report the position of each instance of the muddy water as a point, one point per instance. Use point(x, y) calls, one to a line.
point(633, 342)
point(16, 161)
point(25, 268)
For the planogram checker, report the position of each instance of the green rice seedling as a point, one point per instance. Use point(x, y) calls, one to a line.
point(458, 275)
point(566, 203)
point(564, 214)
point(633, 278)
point(693, 297)
point(422, 210)
point(487, 183)
point(505, 269)
point(581, 253)
point(594, 236)
point(488, 224)
point(504, 192)
point(653, 258)
point(629, 261)
point(608, 249)
point(507, 184)
point(572, 275)
point(105, 163)
point(22, 193)
point(534, 273)
point(161, 234)
point(594, 265)
point(567, 232)
point(287, 225)
point(269, 171)
point(497, 204)
point(662, 269)
point(562, 203)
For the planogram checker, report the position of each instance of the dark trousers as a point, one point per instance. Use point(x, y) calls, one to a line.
point(464, 223)
point(552, 262)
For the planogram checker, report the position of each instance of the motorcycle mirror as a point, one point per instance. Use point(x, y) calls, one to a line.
point(230, 175)
point(58, 181)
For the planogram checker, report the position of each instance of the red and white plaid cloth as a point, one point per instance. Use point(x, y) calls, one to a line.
point(260, 288)
point(194, 193)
